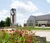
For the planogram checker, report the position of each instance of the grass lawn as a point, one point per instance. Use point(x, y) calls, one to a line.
point(48, 42)
point(32, 28)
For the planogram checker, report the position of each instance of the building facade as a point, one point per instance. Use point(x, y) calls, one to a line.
point(39, 20)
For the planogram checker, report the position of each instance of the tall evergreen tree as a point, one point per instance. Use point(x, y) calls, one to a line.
point(8, 21)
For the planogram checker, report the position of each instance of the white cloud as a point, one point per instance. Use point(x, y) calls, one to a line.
point(29, 6)
point(48, 1)
point(37, 14)
point(48, 12)
point(20, 18)
point(40, 13)
point(22, 8)
point(19, 15)
point(13, 0)
point(3, 14)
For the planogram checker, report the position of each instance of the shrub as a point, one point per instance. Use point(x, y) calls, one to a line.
point(19, 36)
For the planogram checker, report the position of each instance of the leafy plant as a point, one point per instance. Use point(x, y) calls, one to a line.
point(19, 36)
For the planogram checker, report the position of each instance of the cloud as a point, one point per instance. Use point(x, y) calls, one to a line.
point(48, 1)
point(40, 13)
point(13, 0)
point(37, 14)
point(29, 6)
point(22, 9)
point(48, 12)
point(3, 14)
point(20, 18)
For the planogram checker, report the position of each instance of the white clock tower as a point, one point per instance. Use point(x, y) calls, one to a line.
point(13, 16)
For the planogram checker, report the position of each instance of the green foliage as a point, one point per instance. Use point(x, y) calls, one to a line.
point(16, 37)
point(8, 21)
point(2, 23)
point(48, 42)
point(5, 23)
point(5, 37)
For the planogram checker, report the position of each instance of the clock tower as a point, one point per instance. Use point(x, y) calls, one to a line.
point(13, 16)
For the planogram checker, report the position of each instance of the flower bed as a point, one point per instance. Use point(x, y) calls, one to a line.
point(18, 36)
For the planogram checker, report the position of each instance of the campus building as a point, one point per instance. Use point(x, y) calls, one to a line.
point(39, 20)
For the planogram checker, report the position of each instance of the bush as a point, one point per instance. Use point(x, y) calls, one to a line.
point(19, 36)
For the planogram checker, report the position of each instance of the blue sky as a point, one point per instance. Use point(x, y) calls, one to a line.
point(24, 8)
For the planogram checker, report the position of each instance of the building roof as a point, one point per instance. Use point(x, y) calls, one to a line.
point(42, 17)
point(31, 18)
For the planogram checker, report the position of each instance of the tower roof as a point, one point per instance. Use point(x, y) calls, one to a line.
point(13, 9)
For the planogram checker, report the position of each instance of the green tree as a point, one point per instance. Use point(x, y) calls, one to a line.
point(8, 21)
point(2, 23)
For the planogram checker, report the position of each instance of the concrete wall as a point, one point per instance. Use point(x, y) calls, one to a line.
point(41, 39)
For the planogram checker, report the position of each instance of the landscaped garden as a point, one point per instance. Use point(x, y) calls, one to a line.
point(17, 36)
point(20, 35)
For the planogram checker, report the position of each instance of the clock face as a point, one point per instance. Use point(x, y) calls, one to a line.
point(12, 13)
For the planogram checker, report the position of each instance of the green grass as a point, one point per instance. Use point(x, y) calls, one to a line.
point(32, 28)
point(48, 42)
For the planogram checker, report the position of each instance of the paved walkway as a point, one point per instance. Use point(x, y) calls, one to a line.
point(43, 33)
point(41, 27)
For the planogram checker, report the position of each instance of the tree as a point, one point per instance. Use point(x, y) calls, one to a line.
point(8, 21)
point(2, 23)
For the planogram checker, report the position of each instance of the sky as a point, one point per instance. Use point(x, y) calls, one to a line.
point(24, 9)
